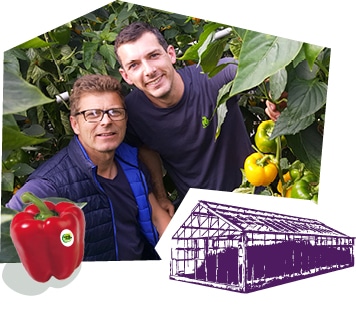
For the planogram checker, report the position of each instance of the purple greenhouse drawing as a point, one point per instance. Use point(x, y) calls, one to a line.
point(245, 250)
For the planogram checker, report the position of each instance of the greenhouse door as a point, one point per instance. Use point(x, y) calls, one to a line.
point(227, 272)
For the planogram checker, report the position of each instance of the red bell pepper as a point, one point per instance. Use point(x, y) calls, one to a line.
point(48, 238)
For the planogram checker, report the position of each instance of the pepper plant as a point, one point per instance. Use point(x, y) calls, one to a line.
point(39, 73)
point(270, 67)
point(38, 76)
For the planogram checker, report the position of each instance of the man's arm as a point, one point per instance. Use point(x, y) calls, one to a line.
point(153, 162)
point(39, 187)
point(160, 217)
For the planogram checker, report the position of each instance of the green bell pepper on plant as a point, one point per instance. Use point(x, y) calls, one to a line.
point(262, 137)
point(306, 187)
point(15, 157)
point(296, 170)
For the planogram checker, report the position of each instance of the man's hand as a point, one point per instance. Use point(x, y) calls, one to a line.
point(273, 110)
point(166, 205)
point(160, 217)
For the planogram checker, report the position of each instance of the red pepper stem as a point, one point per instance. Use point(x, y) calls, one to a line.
point(45, 212)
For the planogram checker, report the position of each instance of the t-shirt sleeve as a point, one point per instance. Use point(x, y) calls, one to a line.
point(131, 137)
point(229, 72)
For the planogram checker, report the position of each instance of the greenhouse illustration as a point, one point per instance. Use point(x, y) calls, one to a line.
point(245, 250)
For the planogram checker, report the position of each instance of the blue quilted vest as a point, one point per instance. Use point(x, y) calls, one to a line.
point(71, 174)
point(139, 188)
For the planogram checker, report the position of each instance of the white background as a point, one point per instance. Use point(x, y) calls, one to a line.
point(145, 285)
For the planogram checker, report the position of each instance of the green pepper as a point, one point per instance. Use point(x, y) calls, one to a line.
point(306, 187)
point(296, 170)
point(16, 156)
point(262, 137)
point(309, 176)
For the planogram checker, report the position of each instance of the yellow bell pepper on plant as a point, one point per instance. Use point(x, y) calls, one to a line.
point(259, 169)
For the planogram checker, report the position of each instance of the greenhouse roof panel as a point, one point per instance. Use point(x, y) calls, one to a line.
point(248, 220)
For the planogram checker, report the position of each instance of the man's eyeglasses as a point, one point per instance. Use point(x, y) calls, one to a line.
point(96, 115)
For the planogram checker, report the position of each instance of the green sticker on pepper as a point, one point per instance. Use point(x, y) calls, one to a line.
point(67, 238)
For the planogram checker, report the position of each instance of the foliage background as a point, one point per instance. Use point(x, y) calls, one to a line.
point(38, 74)
point(44, 68)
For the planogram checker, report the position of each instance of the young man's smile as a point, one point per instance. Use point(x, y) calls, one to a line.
point(149, 67)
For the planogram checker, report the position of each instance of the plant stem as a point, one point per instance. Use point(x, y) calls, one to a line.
point(278, 158)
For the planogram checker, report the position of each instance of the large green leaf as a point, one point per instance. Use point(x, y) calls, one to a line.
point(13, 139)
point(11, 61)
point(206, 37)
point(286, 124)
point(89, 49)
point(261, 56)
point(307, 147)
point(277, 83)
point(211, 56)
point(107, 51)
point(305, 98)
point(311, 53)
point(34, 43)
point(19, 95)
point(220, 110)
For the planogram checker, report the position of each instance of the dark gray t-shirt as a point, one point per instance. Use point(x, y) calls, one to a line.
point(130, 241)
point(190, 153)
